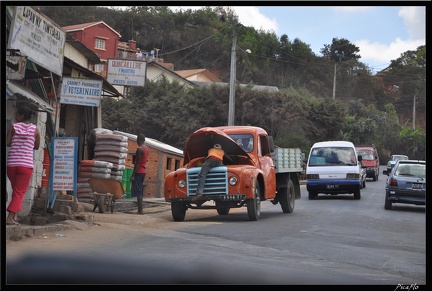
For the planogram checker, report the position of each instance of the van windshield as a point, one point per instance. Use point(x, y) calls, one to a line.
point(332, 156)
point(366, 154)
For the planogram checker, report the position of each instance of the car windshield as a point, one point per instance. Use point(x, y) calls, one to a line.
point(415, 170)
point(366, 154)
point(398, 158)
point(332, 156)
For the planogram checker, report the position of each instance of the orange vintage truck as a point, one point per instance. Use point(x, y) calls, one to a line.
point(259, 171)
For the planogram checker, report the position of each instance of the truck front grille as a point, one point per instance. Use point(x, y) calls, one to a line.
point(216, 181)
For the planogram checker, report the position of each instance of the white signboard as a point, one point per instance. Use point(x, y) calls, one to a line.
point(63, 171)
point(37, 37)
point(126, 72)
point(81, 91)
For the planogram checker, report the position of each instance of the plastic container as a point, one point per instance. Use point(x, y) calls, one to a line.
point(46, 169)
point(127, 188)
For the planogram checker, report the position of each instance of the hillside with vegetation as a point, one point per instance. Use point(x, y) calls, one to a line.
point(387, 110)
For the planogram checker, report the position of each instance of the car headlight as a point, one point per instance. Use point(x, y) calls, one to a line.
point(181, 183)
point(233, 181)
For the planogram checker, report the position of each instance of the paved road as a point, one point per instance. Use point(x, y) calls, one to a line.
point(334, 240)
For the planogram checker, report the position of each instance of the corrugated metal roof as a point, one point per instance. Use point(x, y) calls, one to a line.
point(13, 87)
point(254, 87)
point(153, 143)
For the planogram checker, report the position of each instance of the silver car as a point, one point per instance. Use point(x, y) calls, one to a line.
point(406, 183)
point(393, 160)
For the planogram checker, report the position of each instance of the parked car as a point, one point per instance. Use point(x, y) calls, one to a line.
point(406, 183)
point(393, 160)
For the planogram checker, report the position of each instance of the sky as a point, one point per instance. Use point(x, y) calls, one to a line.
point(382, 33)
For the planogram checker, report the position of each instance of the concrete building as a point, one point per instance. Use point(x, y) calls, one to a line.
point(162, 160)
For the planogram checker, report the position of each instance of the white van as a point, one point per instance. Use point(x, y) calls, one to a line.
point(333, 167)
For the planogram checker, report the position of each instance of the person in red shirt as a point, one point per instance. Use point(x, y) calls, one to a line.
point(214, 158)
point(139, 171)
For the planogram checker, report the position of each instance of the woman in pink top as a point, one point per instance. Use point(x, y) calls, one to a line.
point(22, 138)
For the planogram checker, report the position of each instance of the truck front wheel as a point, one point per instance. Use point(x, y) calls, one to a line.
point(222, 207)
point(287, 197)
point(178, 211)
point(254, 204)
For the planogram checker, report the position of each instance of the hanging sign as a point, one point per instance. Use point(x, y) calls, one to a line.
point(77, 91)
point(126, 72)
point(39, 38)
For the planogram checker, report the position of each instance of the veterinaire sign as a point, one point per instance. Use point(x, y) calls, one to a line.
point(81, 91)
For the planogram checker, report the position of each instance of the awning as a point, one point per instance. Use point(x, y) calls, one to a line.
point(108, 89)
point(13, 87)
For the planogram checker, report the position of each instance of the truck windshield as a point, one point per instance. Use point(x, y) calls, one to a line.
point(332, 156)
point(244, 140)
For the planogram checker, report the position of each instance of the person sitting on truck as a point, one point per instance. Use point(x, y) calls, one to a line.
point(214, 158)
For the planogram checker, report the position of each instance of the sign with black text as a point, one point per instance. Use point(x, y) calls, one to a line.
point(126, 72)
point(64, 164)
point(78, 91)
point(39, 38)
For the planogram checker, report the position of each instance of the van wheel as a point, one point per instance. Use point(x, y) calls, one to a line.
point(313, 195)
point(287, 197)
point(357, 195)
point(254, 204)
point(375, 177)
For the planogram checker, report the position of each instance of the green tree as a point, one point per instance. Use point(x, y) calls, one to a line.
point(340, 50)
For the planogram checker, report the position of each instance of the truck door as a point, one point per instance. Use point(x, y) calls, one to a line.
point(267, 166)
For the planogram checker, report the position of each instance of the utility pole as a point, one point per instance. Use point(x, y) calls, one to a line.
point(231, 106)
point(334, 82)
point(414, 112)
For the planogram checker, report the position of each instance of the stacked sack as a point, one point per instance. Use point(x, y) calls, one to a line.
point(91, 169)
point(112, 148)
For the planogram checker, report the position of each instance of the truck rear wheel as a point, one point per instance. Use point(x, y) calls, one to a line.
point(287, 197)
point(178, 211)
point(254, 204)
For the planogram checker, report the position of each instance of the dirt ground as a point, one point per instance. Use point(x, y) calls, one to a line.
point(81, 232)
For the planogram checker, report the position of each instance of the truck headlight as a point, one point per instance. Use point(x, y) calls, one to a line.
point(232, 181)
point(181, 183)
